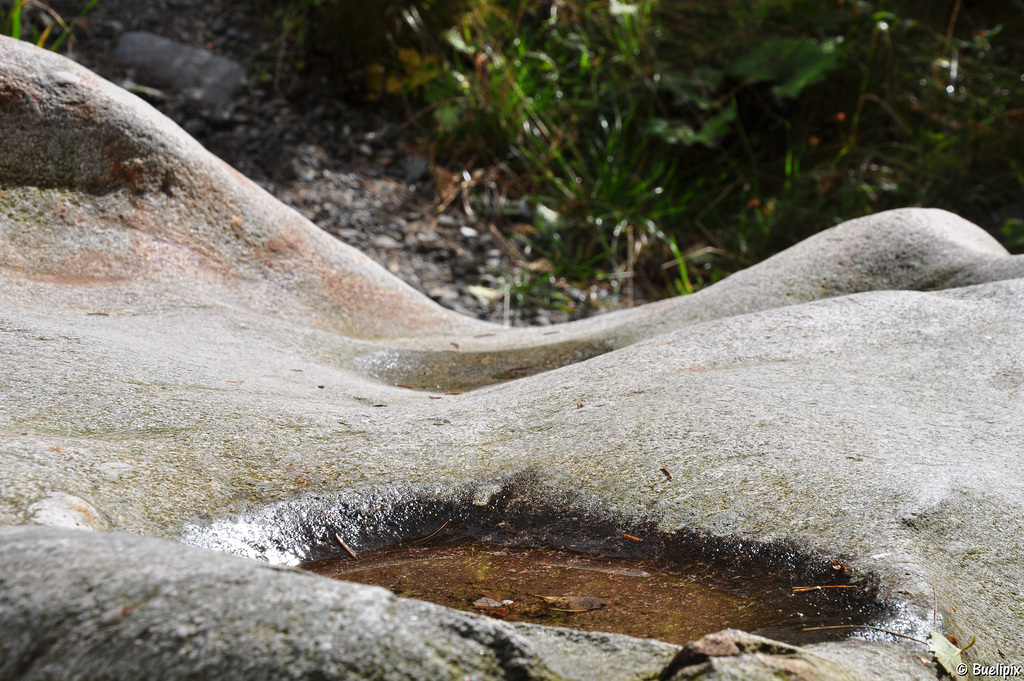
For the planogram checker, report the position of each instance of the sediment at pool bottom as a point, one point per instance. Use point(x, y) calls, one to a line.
point(645, 597)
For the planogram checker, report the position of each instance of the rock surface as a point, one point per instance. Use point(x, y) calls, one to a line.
point(180, 351)
point(210, 78)
point(143, 608)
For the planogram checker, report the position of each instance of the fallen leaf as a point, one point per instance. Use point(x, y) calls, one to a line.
point(575, 603)
point(946, 654)
point(540, 265)
point(486, 602)
point(484, 294)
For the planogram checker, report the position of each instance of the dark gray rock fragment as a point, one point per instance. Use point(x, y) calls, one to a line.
point(210, 78)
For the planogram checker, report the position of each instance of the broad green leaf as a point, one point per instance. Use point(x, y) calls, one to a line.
point(793, 63)
point(676, 132)
point(697, 86)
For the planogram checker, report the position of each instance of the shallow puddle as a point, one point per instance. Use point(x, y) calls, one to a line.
point(644, 598)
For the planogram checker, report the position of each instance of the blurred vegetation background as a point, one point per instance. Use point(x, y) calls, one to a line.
point(664, 144)
point(656, 146)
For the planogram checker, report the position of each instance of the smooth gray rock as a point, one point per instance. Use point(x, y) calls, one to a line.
point(126, 607)
point(210, 78)
point(129, 607)
point(155, 308)
point(114, 606)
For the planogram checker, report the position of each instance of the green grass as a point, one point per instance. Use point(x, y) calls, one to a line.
point(38, 23)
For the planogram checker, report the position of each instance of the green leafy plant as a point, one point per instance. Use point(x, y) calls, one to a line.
point(674, 143)
point(563, 102)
